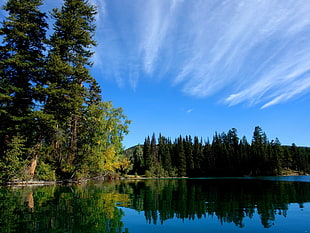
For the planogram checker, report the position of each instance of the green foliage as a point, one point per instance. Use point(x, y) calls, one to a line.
point(11, 164)
point(102, 132)
point(50, 98)
point(147, 156)
point(68, 74)
point(137, 159)
point(45, 172)
point(227, 155)
point(21, 68)
point(181, 159)
point(148, 173)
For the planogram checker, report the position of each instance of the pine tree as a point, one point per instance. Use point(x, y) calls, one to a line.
point(68, 71)
point(154, 153)
point(245, 162)
point(164, 154)
point(138, 160)
point(21, 62)
point(22, 71)
point(198, 156)
point(259, 150)
point(52, 103)
point(181, 158)
point(188, 147)
point(147, 155)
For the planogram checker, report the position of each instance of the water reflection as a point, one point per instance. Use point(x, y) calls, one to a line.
point(229, 200)
point(95, 207)
point(88, 208)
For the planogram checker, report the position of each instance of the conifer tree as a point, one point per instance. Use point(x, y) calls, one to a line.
point(22, 71)
point(138, 162)
point(51, 104)
point(68, 71)
point(21, 62)
point(188, 147)
point(181, 158)
point(147, 154)
point(259, 146)
point(164, 154)
point(154, 153)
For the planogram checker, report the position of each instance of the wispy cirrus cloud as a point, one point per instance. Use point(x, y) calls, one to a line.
point(288, 78)
point(244, 52)
point(253, 52)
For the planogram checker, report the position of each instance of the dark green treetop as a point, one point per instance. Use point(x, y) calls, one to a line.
point(22, 60)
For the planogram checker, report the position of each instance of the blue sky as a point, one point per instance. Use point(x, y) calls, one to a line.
point(193, 67)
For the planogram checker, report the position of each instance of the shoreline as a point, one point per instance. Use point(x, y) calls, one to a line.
point(127, 177)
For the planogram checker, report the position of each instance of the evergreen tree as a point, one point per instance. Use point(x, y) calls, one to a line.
point(259, 154)
point(21, 64)
point(226, 156)
point(188, 147)
point(147, 154)
point(210, 162)
point(244, 163)
point(164, 155)
point(138, 160)
point(154, 155)
point(68, 74)
point(181, 158)
point(198, 155)
point(275, 155)
point(51, 106)
point(22, 60)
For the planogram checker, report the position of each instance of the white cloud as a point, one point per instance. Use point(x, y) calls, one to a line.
point(279, 83)
point(157, 22)
point(252, 52)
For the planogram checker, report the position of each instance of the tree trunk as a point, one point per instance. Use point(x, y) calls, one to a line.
point(73, 140)
point(34, 160)
point(33, 166)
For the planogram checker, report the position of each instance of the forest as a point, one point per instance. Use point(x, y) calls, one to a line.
point(54, 123)
point(225, 155)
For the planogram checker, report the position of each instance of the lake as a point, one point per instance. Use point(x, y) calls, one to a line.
point(264, 204)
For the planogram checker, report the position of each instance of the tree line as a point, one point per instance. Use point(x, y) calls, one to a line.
point(54, 122)
point(225, 155)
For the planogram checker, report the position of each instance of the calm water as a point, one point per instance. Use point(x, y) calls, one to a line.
point(264, 204)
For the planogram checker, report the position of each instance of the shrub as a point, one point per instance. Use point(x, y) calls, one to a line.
point(45, 172)
point(148, 173)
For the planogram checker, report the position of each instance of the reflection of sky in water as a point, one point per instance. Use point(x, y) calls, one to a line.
point(295, 221)
point(271, 178)
point(286, 178)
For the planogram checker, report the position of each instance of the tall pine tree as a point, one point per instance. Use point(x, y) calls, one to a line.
point(68, 75)
point(21, 64)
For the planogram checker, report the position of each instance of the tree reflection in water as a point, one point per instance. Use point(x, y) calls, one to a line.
point(62, 209)
point(94, 207)
point(230, 200)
